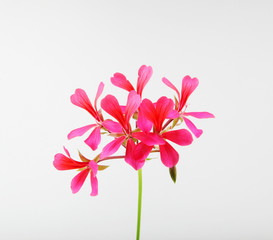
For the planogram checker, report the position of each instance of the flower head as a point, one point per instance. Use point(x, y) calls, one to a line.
point(188, 86)
point(157, 114)
point(144, 75)
point(80, 99)
point(62, 162)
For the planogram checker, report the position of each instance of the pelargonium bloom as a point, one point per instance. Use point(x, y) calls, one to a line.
point(188, 86)
point(157, 114)
point(111, 105)
point(81, 99)
point(144, 75)
point(62, 162)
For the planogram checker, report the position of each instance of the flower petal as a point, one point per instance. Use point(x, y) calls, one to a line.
point(62, 162)
point(163, 107)
point(197, 132)
point(94, 167)
point(111, 126)
point(78, 180)
point(136, 154)
point(110, 105)
point(188, 86)
point(144, 75)
point(149, 139)
point(169, 84)
point(132, 105)
point(120, 81)
point(169, 155)
point(181, 137)
point(199, 114)
point(143, 123)
point(173, 114)
point(94, 139)
point(112, 147)
point(94, 184)
point(66, 151)
point(80, 99)
point(99, 92)
point(80, 131)
point(148, 110)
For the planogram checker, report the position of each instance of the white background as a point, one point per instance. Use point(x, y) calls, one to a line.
point(224, 185)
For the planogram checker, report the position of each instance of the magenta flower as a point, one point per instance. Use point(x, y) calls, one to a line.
point(81, 99)
point(156, 114)
point(135, 154)
point(144, 75)
point(62, 162)
point(188, 86)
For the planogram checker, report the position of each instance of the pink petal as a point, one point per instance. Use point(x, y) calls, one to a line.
point(197, 132)
point(94, 167)
point(163, 107)
point(123, 108)
point(169, 84)
point(112, 147)
point(80, 131)
point(181, 137)
point(169, 155)
point(148, 110)
point(120, 80)
point(94, 139)
point(136, 154)
point(112, 126)
point(78, 180)
point(66, 151)
point(173, 114)
point(188, 86)
point(99, 92)
point(110, 105)
point(94, 184)
point(61, 162)
point(149, 139)
point(143, 123)
point(144, 75)
point(80, 99)
point(132, 105)
point(199, 114)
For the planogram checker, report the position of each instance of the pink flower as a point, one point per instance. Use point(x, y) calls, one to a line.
point(188, 86)
point(62, 162)
point(81, 99)
point(111, 105)
point(156, 114)
point(135, 153)
point(144, 75)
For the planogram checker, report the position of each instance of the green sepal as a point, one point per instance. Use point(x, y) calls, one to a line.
point(173, 173)
point(97, 158)
point(135, 116)
point(148, 159)
point(102, 167)
point(81, 169)
point(176, 103)
point(175, 121)
point(115, 134)
point(83, 158)
point(137, 130)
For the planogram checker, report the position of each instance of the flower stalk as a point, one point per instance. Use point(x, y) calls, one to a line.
point(139, 202)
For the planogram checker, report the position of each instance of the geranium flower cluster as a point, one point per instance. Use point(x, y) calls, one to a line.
point(155, 127)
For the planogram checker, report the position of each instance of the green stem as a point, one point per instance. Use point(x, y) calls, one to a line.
point(139, 202)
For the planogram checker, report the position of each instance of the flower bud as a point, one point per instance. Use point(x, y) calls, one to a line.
point(173, 173)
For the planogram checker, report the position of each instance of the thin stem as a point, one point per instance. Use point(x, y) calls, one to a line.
point(167, 123)
point(112, 157)
point(139, 202)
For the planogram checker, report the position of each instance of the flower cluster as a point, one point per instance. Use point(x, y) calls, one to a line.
point(155, 127)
